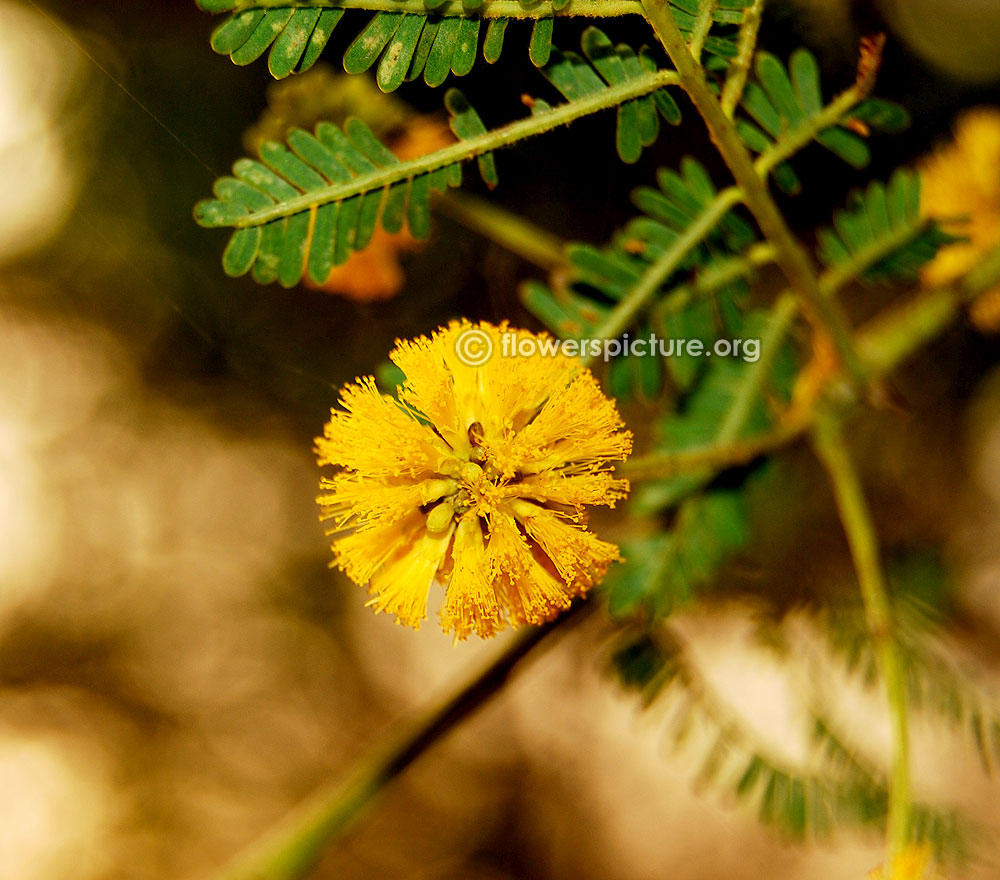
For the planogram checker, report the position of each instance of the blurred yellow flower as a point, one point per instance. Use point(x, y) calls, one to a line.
point(477, 477)
point(913, 863)
point(962, 180)
point(374, 273)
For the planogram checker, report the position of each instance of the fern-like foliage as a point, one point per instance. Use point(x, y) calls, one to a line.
point(666, 571)
point(433, 41)
point(936, 683)
point(305, 207)
point(638, 122)
point(881, 216)
point(598, 278)
point(838, 788)
point(779, 100)
point(299, 187)
point(439, 39)
point(611, 271)
point(296, 37)
point(711, 522)
point(790, 104)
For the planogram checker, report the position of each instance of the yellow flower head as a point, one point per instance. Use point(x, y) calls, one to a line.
point(477, 477)
point(962, 180)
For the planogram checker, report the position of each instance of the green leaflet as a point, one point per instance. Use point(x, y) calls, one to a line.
point(369, 44)
point(438, 64)
point(600, 276)
point(396, 61)
point(328, 229)
point(465, 123)
point(422, 52)
point(493, 44)
point(263, 35)
point(567, 314)
point(804, 71)
point(882, 115)
point(235, 31)
point(296, 37)
point(464, 56)
point(540, 47)
point(604, 65)
point(288, 50)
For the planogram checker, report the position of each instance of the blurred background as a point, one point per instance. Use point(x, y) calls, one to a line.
point(178, 665)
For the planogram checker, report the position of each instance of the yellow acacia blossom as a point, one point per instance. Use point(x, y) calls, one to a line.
point(476, 478)
point(962, 180)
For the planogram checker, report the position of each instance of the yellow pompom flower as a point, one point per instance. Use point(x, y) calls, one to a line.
point(477, 477)
point(962, 180)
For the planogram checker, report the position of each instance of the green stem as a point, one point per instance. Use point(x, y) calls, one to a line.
point(790, 255)
point(702, 25)
point(893, 336)
point(291, 849)
point(829, 442)
point(621, 316)
point(489, 9)
point(715, 457)
point(739, 69)
point(464, 150)
point(712, 278)
point(866, 257)
point(802, 135)
point(754, 376)
point(883, 344)
point(725, 451)
point(510, 231)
